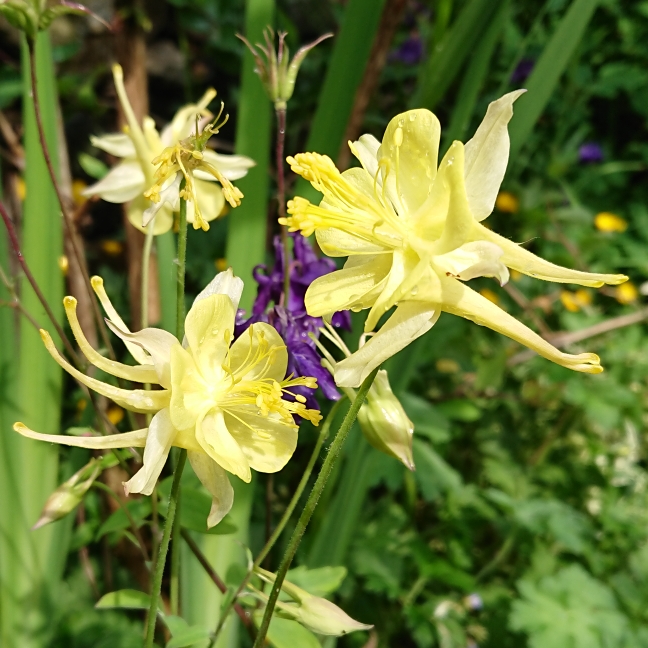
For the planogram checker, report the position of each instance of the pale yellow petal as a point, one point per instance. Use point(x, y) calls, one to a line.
point(140, 373)
point(335, 242)
point(351, 288)
point(217, 483)
point(245, 358)
point(224, 283)
point(408, 157)
point(408, 322)
point(459, 299)
point(365, 148)
point(520, 259)
point(124, 182)
point(189, 392)
point(117, 144)
point(135, 439)
point(137, 400)
point(267, 443)
point(210, 199)
point(476, 259)
point(209, 329)
point(487, 156)
point(137, 352)
point(157, 343)
point(220, 445)
point(159, 440)
point(184, 121)
point(459, 223)
point(163, 218)
point(233, 167)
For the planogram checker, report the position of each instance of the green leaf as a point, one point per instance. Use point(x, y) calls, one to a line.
point(319, 582)
point(570, 609)
point(184, 634)
point(460, 410)
point(118, 521)
point(548, 70)
point(433, 474)
point(93, 166)
point(427, 419)
point(195, 510)
point(127, 599)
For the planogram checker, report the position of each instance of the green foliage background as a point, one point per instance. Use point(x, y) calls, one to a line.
point(531, 487)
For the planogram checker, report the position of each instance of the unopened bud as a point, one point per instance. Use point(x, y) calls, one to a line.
point(313, 612)
point(277, 72)
point(384, 422)
point(68, 495)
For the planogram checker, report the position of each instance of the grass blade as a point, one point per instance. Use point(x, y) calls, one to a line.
point(446, 58)
point(548, 70)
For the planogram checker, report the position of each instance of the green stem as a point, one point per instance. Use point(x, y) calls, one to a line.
point(174, 497)
point(281, 198)
point(284, 518)
point(146, 260)
point(311, 503)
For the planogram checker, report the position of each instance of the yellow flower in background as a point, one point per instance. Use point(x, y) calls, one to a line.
point(609, 222)
point(223, 402)
point(139, 146)
point(447, 366)
point(414, 237)
point(507, 203)
point(626, 293)
point(574, 301)
point(490, 295)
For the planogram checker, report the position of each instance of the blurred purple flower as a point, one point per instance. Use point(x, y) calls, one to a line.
point(293, 322)
point(590, 153)
point(410, 51)
point(474, 602)
point(522, 70)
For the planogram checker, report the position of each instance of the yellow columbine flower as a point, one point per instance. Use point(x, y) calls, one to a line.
point(223, 402)
point(507, 203)
point(139, 147)
point(414, 237)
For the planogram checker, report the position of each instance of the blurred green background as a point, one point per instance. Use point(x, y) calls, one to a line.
point(526, 520)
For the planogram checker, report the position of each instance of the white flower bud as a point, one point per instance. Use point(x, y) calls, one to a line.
point(384, 422)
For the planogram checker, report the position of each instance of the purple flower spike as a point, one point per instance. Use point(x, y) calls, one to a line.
point(590, 153)
point(522, 70)
point(292, 321)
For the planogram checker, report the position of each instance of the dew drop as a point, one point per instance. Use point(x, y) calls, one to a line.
point(214, 331)
point(412, 116)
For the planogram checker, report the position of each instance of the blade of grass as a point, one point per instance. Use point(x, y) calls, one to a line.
point(446, 58)
point(167, 271)
point(247, 229)
point(344, 73)
point(547, 72)
point(474, 77)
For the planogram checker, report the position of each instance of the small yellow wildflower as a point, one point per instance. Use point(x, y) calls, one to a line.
point(574, 301)
point(221, 264)
point(223, 402)
point(507, 203)
point(516, 275)
point(63, 264)
point(115, 414)
point(78, 187)
point(627, 293)
point(609, 222)
point(412, 231)
point(112, 247)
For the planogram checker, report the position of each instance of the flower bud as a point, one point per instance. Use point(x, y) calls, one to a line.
point(384, 422)
point(277, 72)
point(68, 495)
point(313, 612)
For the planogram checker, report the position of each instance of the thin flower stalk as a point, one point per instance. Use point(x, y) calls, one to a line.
point(311, 504)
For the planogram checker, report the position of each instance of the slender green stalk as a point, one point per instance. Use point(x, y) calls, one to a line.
point(311, 504)
point(174, 497)
point(146, 262)
point(281, 198)
point(323, 435)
